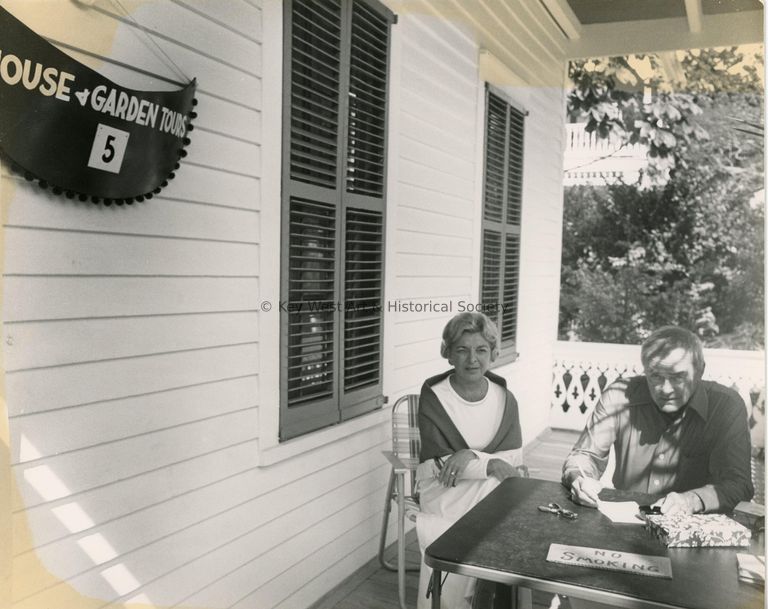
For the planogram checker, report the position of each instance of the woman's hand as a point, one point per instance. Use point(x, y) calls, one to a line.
point(454, 466)
point(498, 468)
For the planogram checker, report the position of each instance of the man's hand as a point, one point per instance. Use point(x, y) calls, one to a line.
point(681, 503)
point(454, 466)
point(498, 468)
point(585, 491)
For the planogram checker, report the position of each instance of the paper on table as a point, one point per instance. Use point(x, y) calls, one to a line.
point(751, 567)
point(622, 512)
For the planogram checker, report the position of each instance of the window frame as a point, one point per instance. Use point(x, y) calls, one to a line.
point(341, 405)
point(507, 348)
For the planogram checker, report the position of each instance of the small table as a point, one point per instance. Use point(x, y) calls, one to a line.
point(505, 539)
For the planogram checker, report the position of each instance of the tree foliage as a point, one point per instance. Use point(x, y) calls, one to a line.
point(689, 250)
point(609, 94)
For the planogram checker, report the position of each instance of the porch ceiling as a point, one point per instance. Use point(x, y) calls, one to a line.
point(600, 11)
point(596, 28)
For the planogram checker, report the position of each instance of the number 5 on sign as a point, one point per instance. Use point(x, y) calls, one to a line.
point(108, 149)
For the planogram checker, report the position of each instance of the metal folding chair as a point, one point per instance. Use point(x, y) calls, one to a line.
point(404, 458)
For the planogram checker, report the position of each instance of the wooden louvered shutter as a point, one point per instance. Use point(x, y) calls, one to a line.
point(502, 207)
point(364, 204)
point(333, 211)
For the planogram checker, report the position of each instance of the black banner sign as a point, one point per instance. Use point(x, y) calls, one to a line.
point(69, 127)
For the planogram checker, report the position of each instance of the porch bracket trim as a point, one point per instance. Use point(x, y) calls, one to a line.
point(694, 13)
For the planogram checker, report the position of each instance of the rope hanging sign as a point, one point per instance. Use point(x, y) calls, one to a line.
point(76, 131)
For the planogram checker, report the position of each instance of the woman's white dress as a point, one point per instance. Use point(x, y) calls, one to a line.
point(441, 506)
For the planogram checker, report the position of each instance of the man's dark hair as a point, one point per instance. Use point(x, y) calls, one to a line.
point(668, 338)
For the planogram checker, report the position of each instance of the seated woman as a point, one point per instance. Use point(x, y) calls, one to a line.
point(470, 440)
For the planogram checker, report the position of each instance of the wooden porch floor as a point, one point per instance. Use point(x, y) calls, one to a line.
point(373, 587)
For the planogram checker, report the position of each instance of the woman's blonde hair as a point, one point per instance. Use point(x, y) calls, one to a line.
point(470, 322)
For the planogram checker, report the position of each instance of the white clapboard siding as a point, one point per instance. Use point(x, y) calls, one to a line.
point(122, 337)
point(533, 54)
point(314, 565)
point(121, 73)
point(77, 384)
point(436, 288)
point(58, 431)
point(233, 15)
point(98, 465)
point(523, 54)
point(541, 24)
point(89, 509)
point(278, 555)
point(436, 179)
point(70, 20)
point(433, 265)
point(264, 509)
point(204, 184)
point(416, 374)
point(161, 216)
point(434, 222)
point(336, 564)
point(175, 22)
point(225, 153)
point(59, 252)
point(216, 78)
point(238, 530)
point(422, 153)
point(183, 30)
point(454, 105)
point(414, 353)
point(414, 241)
point(425, 127)
point(76, 297)
point(176, 534)
point(228, 118)
point(266, 549)
point(420, 21)
point(424, 327)
point(450, 78)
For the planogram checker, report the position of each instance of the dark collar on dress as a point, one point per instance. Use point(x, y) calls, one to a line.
point(434, 380)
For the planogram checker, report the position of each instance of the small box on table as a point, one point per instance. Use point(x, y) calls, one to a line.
point(751, 515)
point(698, 530)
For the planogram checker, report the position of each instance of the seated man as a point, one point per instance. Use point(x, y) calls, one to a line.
point(673, 434)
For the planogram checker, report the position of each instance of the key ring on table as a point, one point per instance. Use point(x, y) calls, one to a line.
point(555, 508)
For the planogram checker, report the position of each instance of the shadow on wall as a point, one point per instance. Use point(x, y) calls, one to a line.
point(98, 549)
